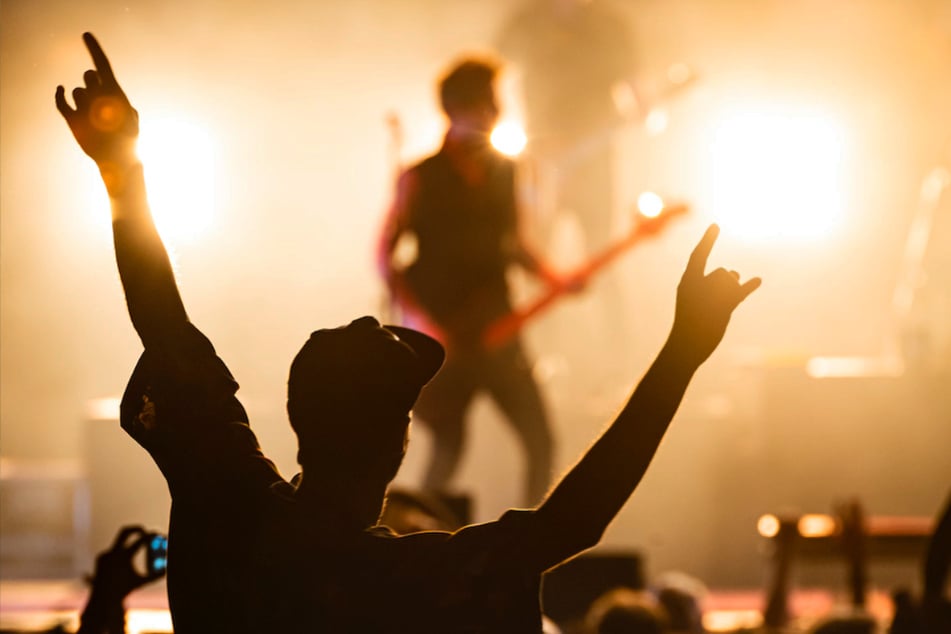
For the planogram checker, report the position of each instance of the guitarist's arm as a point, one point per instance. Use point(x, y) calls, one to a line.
point(524, 255)
point(395, 226)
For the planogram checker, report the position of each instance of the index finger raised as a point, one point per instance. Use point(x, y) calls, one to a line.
point(698, 258)
point(99, 59)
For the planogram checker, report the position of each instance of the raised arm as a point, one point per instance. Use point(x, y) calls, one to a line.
point(580, 507)
point(106, 127)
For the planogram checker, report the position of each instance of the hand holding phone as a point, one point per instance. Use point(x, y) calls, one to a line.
point(116, 572)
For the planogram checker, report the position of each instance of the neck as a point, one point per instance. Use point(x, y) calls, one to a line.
point(346, 507)
point(469, 155)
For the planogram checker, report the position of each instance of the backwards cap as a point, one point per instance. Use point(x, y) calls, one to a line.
point(361, 365)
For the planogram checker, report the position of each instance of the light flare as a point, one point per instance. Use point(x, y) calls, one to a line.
point(650, 204)
point(509, 138)
point(778, 174)
point(179, 160)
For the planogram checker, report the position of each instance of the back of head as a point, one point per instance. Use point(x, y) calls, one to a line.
point(626, 611)
point(850, 624)
point(681, 595)
point(350, 389)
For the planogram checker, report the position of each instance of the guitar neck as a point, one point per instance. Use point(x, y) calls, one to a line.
point(505, 328)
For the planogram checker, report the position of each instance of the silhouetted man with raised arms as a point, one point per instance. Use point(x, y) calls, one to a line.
point(250, 552)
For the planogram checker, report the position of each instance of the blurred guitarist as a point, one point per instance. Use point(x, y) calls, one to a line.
point(460, 207)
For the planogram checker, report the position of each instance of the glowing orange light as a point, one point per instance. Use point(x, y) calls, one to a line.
point(107, 114)
point(816, 525)
point(650, 204)
point(509, 138)
point(768, 525)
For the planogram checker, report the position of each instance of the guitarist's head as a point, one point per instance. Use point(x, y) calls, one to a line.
point(467, 96)
point(349, 395)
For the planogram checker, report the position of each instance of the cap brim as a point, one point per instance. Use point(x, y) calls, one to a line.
point(430, 352)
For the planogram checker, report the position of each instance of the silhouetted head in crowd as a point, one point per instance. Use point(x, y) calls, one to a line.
point(681, 596)
point(349, 396)
point(467, 96)
point(626, 611)
point(857, 624)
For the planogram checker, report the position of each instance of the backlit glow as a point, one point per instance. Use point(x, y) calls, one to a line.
point(106, 409)
point(778, 174)
point(179, 165)
point(509, 138)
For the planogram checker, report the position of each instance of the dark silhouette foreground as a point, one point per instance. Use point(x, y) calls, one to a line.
point(251, 552)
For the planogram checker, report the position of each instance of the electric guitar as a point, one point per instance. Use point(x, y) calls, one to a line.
point(506, 327)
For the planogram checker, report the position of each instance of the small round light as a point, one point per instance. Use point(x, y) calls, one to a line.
point(509, 138)
point(650, 204)
point(768, 525)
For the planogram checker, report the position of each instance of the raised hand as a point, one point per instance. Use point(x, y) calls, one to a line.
point(115, 575)
point(706, 301)
point(104, 123)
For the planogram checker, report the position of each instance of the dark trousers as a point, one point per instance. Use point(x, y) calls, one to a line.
point(506, 375)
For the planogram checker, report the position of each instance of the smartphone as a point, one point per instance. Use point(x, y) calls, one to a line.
point(156, 553)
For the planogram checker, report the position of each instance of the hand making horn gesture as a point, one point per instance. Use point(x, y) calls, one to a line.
point(705, 301)
point(104, 123)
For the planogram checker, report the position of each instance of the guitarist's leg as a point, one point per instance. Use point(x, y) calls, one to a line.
point(441, 408)
point(513, 388)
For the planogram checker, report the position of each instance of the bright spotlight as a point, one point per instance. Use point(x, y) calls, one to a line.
point(768, 526)
point(509, 138)
point(179, 170)
point(778, 175)
point(650, 204)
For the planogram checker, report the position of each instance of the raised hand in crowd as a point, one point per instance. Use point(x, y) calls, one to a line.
point(115, 577)
point(103, 121)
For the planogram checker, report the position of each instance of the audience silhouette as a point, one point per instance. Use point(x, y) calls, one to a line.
point(250, 551)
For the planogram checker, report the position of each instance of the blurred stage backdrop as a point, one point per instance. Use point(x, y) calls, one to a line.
point(817, 134)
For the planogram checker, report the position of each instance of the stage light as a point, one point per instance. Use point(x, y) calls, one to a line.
point(732, 620)
point(144, 620)
point(768, 525)
point(509, 138)
point(778, 175)
point(650, 204)
point(179, 164)
point(816, 525)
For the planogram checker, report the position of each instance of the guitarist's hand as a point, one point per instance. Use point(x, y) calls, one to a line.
point(571, 283)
